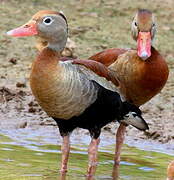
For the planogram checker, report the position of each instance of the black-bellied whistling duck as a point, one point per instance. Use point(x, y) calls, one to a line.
point(144, 71)
point(170, 171)
point(75, 93)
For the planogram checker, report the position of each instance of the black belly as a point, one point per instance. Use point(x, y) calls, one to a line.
point(104, 110)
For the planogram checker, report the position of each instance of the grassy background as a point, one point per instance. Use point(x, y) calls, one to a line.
point(94, 26)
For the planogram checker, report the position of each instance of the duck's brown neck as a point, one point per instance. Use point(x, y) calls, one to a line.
point(48, 56)
point(154, 55)
point(46, 63)
point(48, 53)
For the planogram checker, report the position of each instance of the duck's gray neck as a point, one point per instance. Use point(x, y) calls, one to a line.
point(55, 47)
point(58, 43)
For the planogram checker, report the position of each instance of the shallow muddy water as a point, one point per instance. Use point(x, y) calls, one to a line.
point(34, 155)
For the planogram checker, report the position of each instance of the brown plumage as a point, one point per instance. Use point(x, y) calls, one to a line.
point(143, 79)
point(109, 56)
point(99, 69)
point(75, 93)
point(143, 72)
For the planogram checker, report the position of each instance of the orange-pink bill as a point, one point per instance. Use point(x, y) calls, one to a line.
point(28, 29)
point(144, 45)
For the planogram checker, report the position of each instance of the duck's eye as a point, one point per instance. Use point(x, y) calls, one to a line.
point(135, 24)
point(47, 20)
point(153, 25)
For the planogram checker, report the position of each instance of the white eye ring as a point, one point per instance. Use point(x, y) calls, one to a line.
point(47, 20)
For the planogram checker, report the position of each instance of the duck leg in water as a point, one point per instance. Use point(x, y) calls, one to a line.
point(92, 155)
point(65, 154)
point(120, 135)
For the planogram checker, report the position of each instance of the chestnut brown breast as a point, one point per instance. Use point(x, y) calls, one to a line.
point(142, 79)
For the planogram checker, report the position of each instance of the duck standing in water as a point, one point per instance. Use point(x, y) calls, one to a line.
point(75, 93)
point(143, 71)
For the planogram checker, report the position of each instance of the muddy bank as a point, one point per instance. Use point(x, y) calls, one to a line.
point(19, 111)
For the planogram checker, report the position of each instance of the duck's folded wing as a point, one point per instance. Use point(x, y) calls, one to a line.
point(101, 74)
point(108, 56)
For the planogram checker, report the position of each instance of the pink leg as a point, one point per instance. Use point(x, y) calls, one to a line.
point(119, 143)
point(92, 155)
point(65, 154)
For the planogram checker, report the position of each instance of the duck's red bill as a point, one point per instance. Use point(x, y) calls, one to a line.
point(144, 45)
point(25, 30)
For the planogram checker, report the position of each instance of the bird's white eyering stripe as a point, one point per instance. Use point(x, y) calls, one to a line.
point(48, 20)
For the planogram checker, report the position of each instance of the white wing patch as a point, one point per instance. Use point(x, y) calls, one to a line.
point(133, 119)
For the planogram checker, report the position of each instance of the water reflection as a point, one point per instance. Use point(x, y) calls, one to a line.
point(146, 169)
point(36, 158)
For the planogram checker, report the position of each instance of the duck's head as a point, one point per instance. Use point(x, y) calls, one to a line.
point(51, 26)
point(143, 31)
